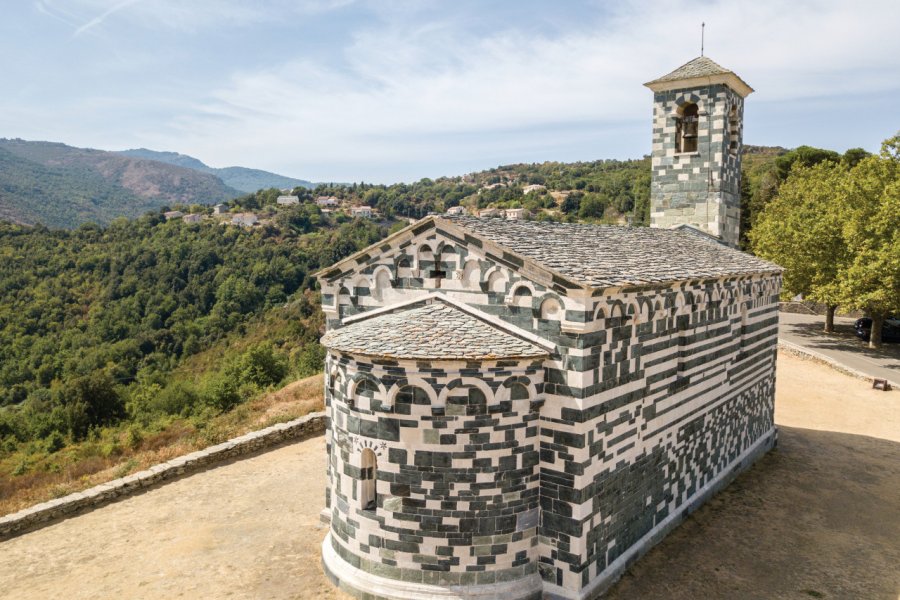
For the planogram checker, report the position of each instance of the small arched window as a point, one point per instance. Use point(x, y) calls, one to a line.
point(733, 130)
point(686, 128)
point(368, 471)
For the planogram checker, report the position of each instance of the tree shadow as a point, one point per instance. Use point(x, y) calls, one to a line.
point(818, 517)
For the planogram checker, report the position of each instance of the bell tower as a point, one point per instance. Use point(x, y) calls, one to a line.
point(698, 122)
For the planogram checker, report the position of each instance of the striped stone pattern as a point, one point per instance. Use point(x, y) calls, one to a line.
point(457, 468)
point(702, 189)
point(651, 394)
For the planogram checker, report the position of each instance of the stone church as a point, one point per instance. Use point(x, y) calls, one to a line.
point(520, 409)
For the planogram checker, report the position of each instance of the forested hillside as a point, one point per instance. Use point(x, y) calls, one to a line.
point(239, 178)
point(61, 186)
point(96, 322)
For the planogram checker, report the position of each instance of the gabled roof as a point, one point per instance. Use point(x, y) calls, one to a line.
point(431, 328)
point(587, 256)
point(600, 256)
point(700, 71)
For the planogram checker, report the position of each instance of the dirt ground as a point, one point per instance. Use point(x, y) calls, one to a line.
point(819, 517)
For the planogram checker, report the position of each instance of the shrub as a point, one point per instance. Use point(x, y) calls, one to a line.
point(54, 442)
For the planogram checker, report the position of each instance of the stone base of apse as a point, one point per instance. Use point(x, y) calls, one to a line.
point(597, 587)
point(367, 586)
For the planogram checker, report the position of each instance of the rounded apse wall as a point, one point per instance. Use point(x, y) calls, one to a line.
point(433, 478)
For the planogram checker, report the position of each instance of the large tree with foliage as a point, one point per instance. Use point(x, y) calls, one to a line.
point(833, 226)
point(870, 281)
point(801, 230)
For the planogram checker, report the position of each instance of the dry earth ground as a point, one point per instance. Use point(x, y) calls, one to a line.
point(817, 518)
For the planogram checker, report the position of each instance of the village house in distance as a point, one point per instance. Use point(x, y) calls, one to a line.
point(520, 409)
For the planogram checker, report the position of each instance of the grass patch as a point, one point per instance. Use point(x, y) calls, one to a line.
point(39, 472)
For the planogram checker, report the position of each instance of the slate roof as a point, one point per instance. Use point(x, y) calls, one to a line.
point(699, 67)
point(609, 256)
point(435, 331)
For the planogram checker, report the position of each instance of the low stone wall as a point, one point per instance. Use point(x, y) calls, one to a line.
point(806, 353)
point(47, 512)
point(811, 308)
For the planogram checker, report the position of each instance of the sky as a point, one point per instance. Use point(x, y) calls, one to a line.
point(395, 90)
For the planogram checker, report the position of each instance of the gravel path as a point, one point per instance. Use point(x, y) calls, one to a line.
point(817, 518)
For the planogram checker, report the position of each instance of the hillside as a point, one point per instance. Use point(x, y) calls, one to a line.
point(239, 178)
point(145, 324)
point(62, 186)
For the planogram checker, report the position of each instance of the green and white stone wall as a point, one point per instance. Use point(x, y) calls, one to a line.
point(699, 188)
point(653, 397)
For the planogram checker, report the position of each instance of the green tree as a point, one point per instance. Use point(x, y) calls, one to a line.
point(871, 202)
point(801, 231)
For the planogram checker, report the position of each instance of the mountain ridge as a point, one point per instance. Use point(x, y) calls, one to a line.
point(244, 179)
point(57, 185)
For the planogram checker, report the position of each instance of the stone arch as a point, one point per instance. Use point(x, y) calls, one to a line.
point(683, 302)
point(381, 281)
point(687, 126)
point(334, 381)
point(471, 273)
point(496, 280)
point(599, 313)
point(504, 391)
point(357, 378)
point(633, 312)
point(360, 283)
point(521, 295)
point(551, 308)
point(418, 382)
point(343, 296)
point(424, 258)
point(468, 382)
point(644, 309)
point(447, 257)
point(403, 266)
point(617, 310)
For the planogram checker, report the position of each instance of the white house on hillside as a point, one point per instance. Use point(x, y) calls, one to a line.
point(287, 200)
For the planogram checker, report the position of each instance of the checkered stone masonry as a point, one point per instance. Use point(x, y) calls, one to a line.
point(457, 469)
point(701, 188)
point(654, 396)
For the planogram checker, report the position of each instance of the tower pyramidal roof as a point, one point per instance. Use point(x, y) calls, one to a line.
point(700, 71)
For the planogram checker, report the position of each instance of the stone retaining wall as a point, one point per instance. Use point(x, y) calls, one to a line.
point(806, 353)
point(47, 512)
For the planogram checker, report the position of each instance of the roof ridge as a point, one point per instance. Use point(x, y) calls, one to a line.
point(442, 329)
point(431, 297)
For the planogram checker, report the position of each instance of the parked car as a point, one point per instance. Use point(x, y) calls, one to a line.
point(890, 331)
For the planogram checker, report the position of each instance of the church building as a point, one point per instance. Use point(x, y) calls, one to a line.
point(520, 409)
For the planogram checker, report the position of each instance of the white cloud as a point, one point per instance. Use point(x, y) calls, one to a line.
point(411, 89)
point(401, 88)
point(185, 15)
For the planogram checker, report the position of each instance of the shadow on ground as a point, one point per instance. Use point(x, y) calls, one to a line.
point(843, 338)
point(818, 517)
